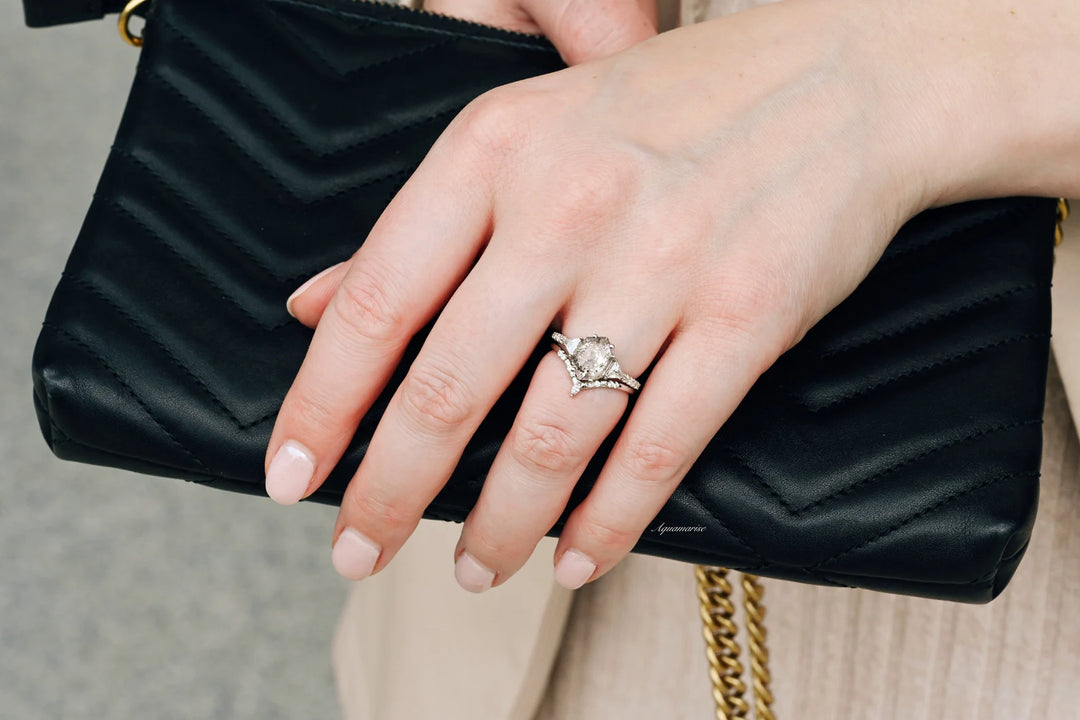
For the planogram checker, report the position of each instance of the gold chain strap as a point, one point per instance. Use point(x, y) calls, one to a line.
point(1062, 216)
point(722, 649)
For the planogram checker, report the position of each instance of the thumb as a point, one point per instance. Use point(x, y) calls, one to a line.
point(585, 30)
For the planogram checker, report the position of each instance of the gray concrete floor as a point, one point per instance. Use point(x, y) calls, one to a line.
point(121, 595)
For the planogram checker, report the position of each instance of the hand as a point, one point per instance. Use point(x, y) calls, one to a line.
point(580, 29)
point(698, 202)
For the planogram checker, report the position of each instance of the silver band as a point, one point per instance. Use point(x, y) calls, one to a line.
point(591, 363)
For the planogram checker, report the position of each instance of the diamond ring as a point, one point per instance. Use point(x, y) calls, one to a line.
point(591, 363)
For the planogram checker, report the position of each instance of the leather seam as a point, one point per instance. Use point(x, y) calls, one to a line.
point(818, 566)
point(985, 581)
point(274, 17)
point(712, 512)
point(175, 361)
point(282, 124)
point(222, 292)
point(923, 321)
point(168, 86)
point(131, 391)
point(906, 249)
point(168, 189)
point(419, 29)
point(797, 511)
point(912, 372)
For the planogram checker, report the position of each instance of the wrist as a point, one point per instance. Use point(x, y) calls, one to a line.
point(981, 93)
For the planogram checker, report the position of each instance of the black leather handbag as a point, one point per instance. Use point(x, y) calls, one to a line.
point(896, 447)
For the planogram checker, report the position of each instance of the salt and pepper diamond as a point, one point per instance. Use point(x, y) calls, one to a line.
point(591, 363)
point(593, 357)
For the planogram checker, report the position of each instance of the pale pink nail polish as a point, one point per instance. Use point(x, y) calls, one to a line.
point(354, 554)
point(471, 575)
point(290, 473)
point(310, 281)
point(573, 569)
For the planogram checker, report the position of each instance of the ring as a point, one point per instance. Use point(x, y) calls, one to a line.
point(591, 363)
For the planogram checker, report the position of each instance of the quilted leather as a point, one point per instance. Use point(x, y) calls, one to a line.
point(896, 448)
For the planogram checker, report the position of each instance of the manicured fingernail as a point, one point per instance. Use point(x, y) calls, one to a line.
point(290, 473)
point(354, 554)
point(573, 569)
point(471, 575)
point(300, 290)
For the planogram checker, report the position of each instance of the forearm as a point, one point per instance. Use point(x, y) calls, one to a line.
point(989, 89)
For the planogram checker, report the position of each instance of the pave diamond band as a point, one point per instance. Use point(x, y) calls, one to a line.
point(591, 363)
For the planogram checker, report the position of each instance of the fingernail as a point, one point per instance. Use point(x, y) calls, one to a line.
point(290, 473)
point(354, 554)
point(471, 575)
point(300, 290)
point(573, 569)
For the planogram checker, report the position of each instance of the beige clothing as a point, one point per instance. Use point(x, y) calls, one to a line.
point(411, 645)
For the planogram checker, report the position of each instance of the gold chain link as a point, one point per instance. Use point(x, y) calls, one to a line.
point(722, 648)
point(1062, 216)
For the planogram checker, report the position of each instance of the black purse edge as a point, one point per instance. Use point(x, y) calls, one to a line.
point(67, 448)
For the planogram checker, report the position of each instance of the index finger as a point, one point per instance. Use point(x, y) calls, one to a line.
point(415, 255)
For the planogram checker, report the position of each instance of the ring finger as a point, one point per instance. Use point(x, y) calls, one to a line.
point(553, 438)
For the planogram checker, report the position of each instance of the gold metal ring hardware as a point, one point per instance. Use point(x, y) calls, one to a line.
point(1062, 216)
point(124, 23)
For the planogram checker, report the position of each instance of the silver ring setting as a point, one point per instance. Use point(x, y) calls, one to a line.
point(591, 363)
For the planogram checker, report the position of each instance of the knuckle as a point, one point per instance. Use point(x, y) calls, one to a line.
point(545, 448)
point(367, 304)
point(315, 416)
point(367, 510)
point(489, 546)
point(655, 460)
point(492, 122)
point(608, 538)
point(435, 398)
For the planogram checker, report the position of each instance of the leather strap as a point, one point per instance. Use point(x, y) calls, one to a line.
point(44, 13)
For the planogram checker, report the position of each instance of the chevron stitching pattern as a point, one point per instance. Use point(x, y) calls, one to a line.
point(221, 289)
point(939, 503)
point(100, 360)
point(859, 482)
point(304, 136)
point(930, 319)
point(169, 354)
point(253, 149)
point(908, 374)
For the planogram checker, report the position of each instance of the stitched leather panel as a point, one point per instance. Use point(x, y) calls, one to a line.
point(897, 447)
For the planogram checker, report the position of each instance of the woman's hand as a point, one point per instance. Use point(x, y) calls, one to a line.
point(580, 29)
point(698, 200)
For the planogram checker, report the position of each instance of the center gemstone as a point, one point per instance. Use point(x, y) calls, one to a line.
point(592, 358)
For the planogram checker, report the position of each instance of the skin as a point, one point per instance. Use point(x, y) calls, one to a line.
point(746, 173)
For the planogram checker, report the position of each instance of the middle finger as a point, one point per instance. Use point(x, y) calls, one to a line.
point(555, 436)
point(478, 344)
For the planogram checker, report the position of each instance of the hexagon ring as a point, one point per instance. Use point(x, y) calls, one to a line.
point(591, 363)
